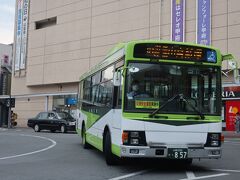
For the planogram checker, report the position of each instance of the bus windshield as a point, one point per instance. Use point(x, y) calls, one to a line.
point(176, 89)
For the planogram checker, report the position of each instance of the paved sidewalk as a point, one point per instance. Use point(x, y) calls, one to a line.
point(231, 134)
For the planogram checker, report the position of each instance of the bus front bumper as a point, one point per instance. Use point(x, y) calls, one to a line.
point(164, 152)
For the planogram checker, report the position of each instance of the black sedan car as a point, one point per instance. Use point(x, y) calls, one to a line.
point(52, 121)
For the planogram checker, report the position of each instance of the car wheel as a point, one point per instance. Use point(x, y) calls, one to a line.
point(84, 141)
point(110, 158)
point(63, 128)
point(36, 128)
point(53, 131)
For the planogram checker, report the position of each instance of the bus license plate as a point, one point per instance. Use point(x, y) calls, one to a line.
point(177, 153)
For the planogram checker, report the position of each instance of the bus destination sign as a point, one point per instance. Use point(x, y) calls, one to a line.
point(174, 52)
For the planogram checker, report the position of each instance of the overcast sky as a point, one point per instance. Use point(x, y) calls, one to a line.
point(7, 14)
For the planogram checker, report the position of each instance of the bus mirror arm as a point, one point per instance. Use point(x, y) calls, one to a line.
point(232, 63)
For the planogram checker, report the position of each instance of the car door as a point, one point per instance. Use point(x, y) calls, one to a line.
point(52, 121)
point(42, 120)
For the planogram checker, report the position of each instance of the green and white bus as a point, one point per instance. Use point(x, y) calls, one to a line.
point(176, 112)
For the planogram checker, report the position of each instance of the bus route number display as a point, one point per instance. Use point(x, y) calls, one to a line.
point(175, 52)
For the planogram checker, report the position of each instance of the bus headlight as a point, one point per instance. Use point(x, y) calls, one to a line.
point(134, 134)
point(134, 142)
point(134, 138)
point(214, 143)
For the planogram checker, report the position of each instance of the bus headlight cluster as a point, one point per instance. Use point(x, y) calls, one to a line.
point(134, 138)
point(213, 140)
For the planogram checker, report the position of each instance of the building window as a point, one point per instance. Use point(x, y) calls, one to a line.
point(46, 23)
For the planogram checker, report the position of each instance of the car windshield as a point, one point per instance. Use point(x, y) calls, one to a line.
point(181, 89)
point(65, 115)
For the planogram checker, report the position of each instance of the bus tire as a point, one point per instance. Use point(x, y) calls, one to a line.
point(84, 140)
point(109, 156)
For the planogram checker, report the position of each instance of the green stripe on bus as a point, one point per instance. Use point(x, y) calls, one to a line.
point(95, 141)
point(177, 123)
point(116, 150)
point(91, 118)
point(169, 119)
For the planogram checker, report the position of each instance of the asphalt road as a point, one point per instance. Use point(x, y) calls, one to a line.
point(26, 155)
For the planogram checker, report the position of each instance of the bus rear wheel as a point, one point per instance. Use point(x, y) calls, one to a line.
point(110, 158)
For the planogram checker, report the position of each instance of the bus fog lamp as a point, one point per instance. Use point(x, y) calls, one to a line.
point(216, 152)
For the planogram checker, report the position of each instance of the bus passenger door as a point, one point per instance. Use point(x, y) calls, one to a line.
point(117, 103)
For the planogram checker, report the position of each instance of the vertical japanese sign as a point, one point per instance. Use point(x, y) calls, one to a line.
point(24, 34)
point(18, 35)
point(232, 107)
point(178, 20)
point(204, 22)
point(21, 34)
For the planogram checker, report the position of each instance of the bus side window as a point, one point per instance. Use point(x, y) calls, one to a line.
point(104, 95)
point(95, 93)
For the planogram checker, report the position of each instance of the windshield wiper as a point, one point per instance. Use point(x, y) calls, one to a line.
point(180, 96)
point(162, 106)
point(192, 106)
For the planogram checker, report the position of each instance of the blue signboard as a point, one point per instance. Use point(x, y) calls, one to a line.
point(71, 101)
point(178, 18)
point(204, 22)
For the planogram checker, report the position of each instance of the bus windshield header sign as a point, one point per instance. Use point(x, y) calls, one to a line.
point(175, 52)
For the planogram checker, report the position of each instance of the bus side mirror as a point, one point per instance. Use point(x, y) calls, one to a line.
point(117, 78)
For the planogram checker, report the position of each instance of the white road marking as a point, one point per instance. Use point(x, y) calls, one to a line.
point(226, 170)
point(204, 177)
point(190, 175)
point(33, 152)
point(129, 175)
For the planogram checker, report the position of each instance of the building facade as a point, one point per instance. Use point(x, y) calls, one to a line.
point(58, 40)
point(5, 81)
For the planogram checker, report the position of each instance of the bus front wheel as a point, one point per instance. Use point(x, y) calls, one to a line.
point(84, 141)
point(109, 156)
